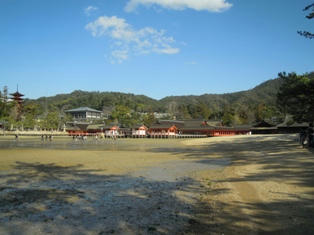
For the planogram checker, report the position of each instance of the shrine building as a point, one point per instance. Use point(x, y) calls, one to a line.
point(84, 114)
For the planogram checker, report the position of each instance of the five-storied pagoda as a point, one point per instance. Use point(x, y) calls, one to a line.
point(17, 98)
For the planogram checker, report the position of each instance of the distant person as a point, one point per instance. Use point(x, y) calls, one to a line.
point(16, 136)
point(307, 140)
point(310, 136)
point(302, 136)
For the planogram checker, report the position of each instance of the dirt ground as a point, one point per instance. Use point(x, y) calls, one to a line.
point(267, 189)
point(226, 185)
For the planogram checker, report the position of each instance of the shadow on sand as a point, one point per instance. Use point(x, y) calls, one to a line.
point(279, 159)
point(46, 198)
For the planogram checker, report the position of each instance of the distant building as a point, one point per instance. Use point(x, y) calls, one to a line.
point(139, 131)
point(161, 115)
point(264, 127)
point(164, 128)
point(160, 129)
point(295, 127)
point(84, 114)
point(113, 131)
point(17, 98)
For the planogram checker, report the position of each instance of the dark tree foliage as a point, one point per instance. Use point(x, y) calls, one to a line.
point(228, 116)
point(149, 119)
point(296, 96)
point(309, 16)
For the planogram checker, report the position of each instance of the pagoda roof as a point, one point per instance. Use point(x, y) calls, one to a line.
point(17, 94)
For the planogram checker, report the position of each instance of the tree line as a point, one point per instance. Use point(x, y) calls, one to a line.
point(270, 101)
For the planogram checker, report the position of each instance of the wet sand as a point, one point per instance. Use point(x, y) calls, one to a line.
point(241, 184)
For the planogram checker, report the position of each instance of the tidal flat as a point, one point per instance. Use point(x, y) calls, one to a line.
point(97, 186)
point(220, 185)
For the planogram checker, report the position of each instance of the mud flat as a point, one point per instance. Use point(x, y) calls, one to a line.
point(242, 184)
point(98, 187)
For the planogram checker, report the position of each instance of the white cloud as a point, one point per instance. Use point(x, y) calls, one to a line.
point(127, 41)
point(191, 63)
point(118, 56)
point(169, 51)
point(198, 5)
point(88, 10)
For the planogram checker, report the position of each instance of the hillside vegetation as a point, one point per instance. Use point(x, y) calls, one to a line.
point(238, 108)
point(263, 93)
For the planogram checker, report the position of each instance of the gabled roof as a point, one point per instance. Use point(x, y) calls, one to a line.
point(263, 124)
point(115, 128)
point(138, 126)
point(83, 109)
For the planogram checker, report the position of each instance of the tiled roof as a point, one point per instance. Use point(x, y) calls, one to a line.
point(162, 126)
point(17, 94)
point(73, 128)
point(295, 124)
point(170, 123)
point(94, 127)
point(83, 109)
point(263, 124)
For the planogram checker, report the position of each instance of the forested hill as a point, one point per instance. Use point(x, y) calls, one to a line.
point(263, 93)
point(245, 105)
point(99, 100)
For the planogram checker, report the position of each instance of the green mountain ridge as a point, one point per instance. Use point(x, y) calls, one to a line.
point(248, 104)
point(265, 91)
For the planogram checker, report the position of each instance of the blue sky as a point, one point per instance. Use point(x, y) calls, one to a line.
point(166, 47)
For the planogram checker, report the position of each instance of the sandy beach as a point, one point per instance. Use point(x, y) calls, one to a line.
point(223, 185)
